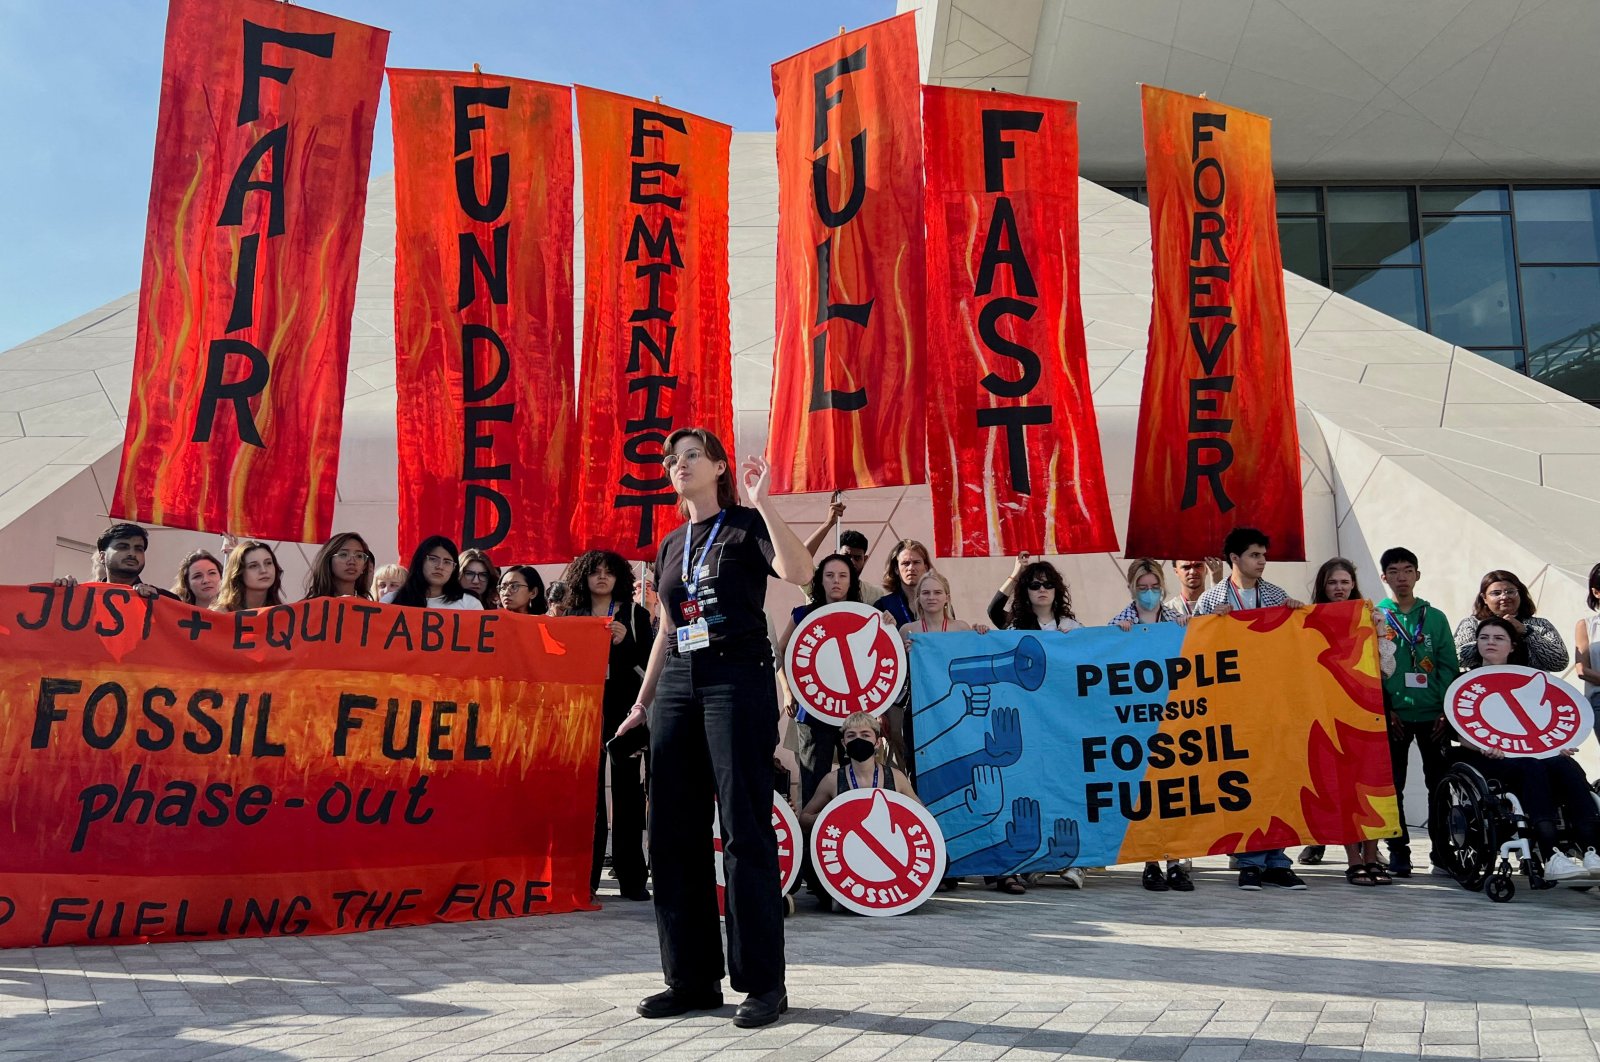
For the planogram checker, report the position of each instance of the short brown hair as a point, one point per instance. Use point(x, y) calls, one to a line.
point(727, 487)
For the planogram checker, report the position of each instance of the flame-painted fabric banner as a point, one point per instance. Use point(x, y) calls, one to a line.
point(1238, 733)
point(483, 311)
point(1217, 445)
point(325, 767)
point(1014, 450)
point(655, 310)
point(251, 247)
point(847, 377)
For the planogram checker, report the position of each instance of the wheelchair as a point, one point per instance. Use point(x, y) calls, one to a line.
point(1485, 828)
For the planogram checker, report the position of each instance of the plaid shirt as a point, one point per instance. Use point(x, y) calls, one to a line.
point(1267, 596)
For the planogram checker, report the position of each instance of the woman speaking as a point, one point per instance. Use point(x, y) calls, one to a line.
point(711, 695)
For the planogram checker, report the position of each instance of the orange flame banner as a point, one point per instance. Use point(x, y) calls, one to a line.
point(847, 376)
point(1217, 445)
point(655, 310)
point(325, 767)
point(483, 310)
point(1014, 450)
point(254, 234)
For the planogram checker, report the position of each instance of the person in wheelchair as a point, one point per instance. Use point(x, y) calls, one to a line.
point(1542, 786)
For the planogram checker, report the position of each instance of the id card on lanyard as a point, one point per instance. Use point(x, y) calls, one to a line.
point(1415, 680)
point(695, 634)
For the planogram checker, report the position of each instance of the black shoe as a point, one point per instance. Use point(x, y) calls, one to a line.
point(1250, 879)
point(1311, 855)
point(1399, 867)
point(1153, 880)
point(763, 1009)
point(641, 893)
point(1178, 879)
point(1282, 878)
point(824, 902)
point(673, 1002)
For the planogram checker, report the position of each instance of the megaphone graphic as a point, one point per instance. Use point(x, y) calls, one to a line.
point(1022, 666)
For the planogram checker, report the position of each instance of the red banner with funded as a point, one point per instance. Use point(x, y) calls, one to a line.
point(1217, 445)
point(655, 310)
point(325, 767)
point(1013, 447)
point(251, 247)
point(483, 311)
point(847, 377)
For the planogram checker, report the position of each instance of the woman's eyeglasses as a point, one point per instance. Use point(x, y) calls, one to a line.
point(687, 457)
point(508, 587)
point(474, 577)
point(439, 562)
point(346, 554)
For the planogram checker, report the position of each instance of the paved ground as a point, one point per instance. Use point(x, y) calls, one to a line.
point(1418, 970)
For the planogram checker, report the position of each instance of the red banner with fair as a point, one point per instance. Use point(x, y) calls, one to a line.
point(483, 311)
point(1217, 443)
point(1013, 446)
point(325, 767)
point(848, 374)
point(655, 310)
point(253, 237)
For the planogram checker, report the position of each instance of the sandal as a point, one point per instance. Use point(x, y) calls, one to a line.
point(1379, 874)
point(1012, 885)
point(1359, 874)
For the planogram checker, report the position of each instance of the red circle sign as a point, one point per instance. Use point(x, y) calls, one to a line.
point(787, 826)
point(845, 659)
point(1520, 711)
point(877, 852)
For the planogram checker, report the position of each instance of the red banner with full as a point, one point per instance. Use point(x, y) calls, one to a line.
point(325, 767)
point(483, 311)
point(847, 377)
point(254, 234)
point(1014, 450)
point(1217, 444)
point(655, 310)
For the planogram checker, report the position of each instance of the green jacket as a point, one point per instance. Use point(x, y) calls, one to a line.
point(1438, 645)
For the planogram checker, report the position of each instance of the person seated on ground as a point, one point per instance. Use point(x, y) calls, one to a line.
point(199, 579)
point(1147, 585)
point(1542, 786)
point(1034, 597)
point(387, 579)
point(252, 579)
point(1502, 594)
point(121, 549)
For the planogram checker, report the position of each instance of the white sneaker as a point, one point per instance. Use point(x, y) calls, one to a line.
point(1561, 867)
point(1073, 876)
point(1591, 863)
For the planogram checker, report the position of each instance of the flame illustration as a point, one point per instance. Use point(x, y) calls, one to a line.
point(844, 672)
point(864, 863)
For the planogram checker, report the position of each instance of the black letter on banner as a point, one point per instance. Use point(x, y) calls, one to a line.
point(277, 142)
point(255, 67)
point(471, 538)
point(239, 392)
point(1013, 419)
point(988, 318)
point(857, 313)
point(996, 148)
point(1211, 471)
point(481, 440)
point(1004, 223)
point(472, 390)
point(494, 274)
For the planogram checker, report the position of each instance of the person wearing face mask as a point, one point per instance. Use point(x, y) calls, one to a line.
point(861, 736)
point(1502, 594)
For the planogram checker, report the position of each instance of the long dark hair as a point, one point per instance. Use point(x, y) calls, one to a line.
point(1519, 643)
point(727, 488)
point(1022, 617)
point(230, 598)
point(1593, 600)
point(578, 602)
point(319, 580)
point(414, 591)
point(1319, 587)
point(891, 570)
point(538, 604)
point(814, 590)
point(1480, 605)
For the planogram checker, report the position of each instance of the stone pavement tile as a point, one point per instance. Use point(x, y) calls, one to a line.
point(1157, 1048)
point(1270, 1051)
point(1213, 1053)
point(1337, 1033)
point(1220, 1031)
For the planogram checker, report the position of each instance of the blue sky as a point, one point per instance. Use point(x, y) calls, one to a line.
point(80, 84)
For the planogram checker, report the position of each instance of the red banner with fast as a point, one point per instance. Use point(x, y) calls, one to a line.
point(254, 233)
point(847, 377)
point(1217, 445)
point(483, 310)
point(655, 310)
point(325, 767)
point(1014, 450)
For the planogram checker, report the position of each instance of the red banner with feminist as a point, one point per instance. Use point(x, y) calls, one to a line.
point(1217, 443)
point(254, 234)
point(1014, 451)
point(655, 310)
point(847, 377)
point(483, 310)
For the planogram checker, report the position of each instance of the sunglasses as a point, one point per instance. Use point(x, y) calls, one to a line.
point(1040, 584)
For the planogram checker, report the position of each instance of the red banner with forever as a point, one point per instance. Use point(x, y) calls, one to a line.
point(483, 310)
point(655, 310)
point(847, 377)
point(1217, 445)
point(1014, 450)
point(251, 247)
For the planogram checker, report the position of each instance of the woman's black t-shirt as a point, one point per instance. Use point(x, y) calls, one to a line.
point(732, 579)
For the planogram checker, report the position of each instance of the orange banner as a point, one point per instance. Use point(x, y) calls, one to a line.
point(1217, 446)
point(655, 310)
point(847, 377)
point(325, 767)
point(483, 311)
point(251, 247)
point(1014, 450)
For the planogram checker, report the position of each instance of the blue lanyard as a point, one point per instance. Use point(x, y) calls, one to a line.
point(692, 586)
point(851, 767)
point(1413, 640)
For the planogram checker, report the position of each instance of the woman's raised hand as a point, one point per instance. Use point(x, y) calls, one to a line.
point(757, 476)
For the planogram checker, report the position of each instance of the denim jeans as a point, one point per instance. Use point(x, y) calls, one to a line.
point(1273, 857)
